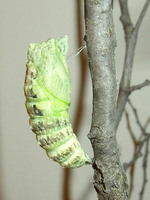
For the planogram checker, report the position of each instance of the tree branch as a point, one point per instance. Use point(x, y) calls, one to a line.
point(66, 184)
point(138, 153)
point(145, 162)
point(147, 123)
point(135, 145)
point(130, 129)
point(131, 39)
point(101, 42)
point(138, 143)
point(142, 14)
point(145, 158)
point(125, 17)
point(139, 86)
point(136, 117)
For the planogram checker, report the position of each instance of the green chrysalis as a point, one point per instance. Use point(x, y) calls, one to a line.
point(47, 90)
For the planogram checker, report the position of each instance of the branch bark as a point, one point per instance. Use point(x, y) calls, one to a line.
point(109, 176)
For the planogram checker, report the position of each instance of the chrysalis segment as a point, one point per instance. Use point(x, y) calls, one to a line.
point(47, 90)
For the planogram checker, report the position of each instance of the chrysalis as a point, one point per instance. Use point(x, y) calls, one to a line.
point(47, 90)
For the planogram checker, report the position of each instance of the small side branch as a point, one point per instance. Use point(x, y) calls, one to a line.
point(136, 117)
point(130, 129)
point(140, 86)
point(139, 143)
point(145, 162)
point(138, 153)
point(135, 145)
point(142, 14)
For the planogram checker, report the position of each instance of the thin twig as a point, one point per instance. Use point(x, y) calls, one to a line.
point(142, 14)
point(145, 162)
point(147, 123)
point(139, 86)
point(66, 194)
point(138, 153)
point(135, 143)
point(138, 145)
point(139, 142)
point(130, 129)
point(131, 38)
point(136, 117)
point(125, 17)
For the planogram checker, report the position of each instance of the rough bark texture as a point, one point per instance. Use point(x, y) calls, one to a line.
point(109, 177)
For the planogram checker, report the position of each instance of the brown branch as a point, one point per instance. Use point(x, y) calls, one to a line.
point(145, 163)
point(139, 86)
point(83, 70)
point(66, 194)
point(142, 14)
point(79, 111)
